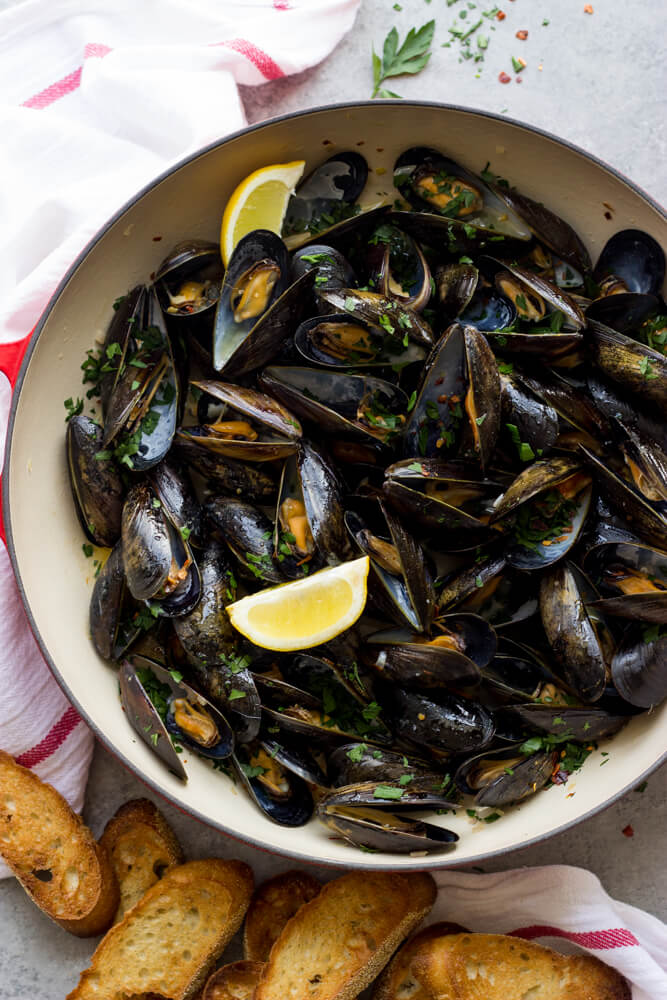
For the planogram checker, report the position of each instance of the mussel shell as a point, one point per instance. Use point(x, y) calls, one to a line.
point(353, 763)
point(581, 724)
point(482, 400)
point(558, 349)
point(388, 350)
point(396, 657)
point(185, 597)
point(396, 319)
point(551, 294)
point(224, 474)
point(570, 402)
point(608, 564)
point(457, 235)
point(322, 497)
point(518, 779)
point(249, 535)
point(254, 405)
point(638, 369)
point(128, 311)
point(195, 259)
point(636, 258)
point(535, 420)
point(490, 589)
point(325, 192)
point(294, 756)
point(450, 723)
point(488, 311)
point(532, 555)
point(97, 487)
point(146, 543)
point(398, 267)
point(231, 686)
point(638, 667)
point(419, 793)
point(222, 748)
point(109, 616)
point(293, 808)
point(642, 517)
point(455, 286)
point(532, 481)
point(145, 720)
point(434, 426)
point(577, 645)
point(377, 830)
point(624, 313)
point(548, 227)
point(333, 269)
point(206, 631)
point(173, 488)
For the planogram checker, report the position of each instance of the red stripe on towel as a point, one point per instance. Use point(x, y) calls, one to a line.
point(69, 83)
point(269, 69)
point(52, 741)
point(615, 937)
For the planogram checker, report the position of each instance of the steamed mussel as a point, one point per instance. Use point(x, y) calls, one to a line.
point(453, 390)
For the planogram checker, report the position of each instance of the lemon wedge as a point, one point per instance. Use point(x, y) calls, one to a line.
point(304, 613)
point(259, 202)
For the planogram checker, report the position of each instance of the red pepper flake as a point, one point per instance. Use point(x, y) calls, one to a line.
point(569, 796)
point(627, 831)
point(518, 79)
point(501, 15)
point(327, 142)
point(607, 215)
point(588, 9)
point(504, 77)
point(156, 239)
point(522, 35)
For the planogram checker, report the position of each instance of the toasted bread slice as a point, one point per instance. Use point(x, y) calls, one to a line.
point(53, 854)
point(274, 903)
point(497, 967)
point(335, 945)
point(236, 981)
point(399, 980)
point(142, 848)
point(169, 941)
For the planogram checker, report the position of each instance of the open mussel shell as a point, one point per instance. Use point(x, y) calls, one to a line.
point(419, 793)
point(501, 777)
point(146, 721)
point(398, 267)
point(333, 270)
point(632, 580)
point(482, 403)
point(534, 420)
point(636, 368)
point(189, 278)
point(229, 684)
point(572, 404)
point(581, 724)
point(399, 566)
point(532, 295)
point(623, 312)
point(280, 794)
point(355, 763)
point(112, 609)
point(435, 424)
point(634, 257)
point(520, 673)
point(488, 311)
point(380, 830)
point(294, 755)
point(447, 498)
point(248, 426)
point(431, 182)
point(646, 464)
point(410, 661)
point(197, 724)
point(143, 405)
point(491, 589)
point(642, 517)
point(328, 195)
point(392, 316)
point(127, 318)
point(548, 227)
point(455, 286)
point(338, 340)
point(638, 667)
point(360, 407)
point(316, 485)
point(224, 474)
point(97, 487)
point(579, 639)
point(441, 721)
point(249, 535)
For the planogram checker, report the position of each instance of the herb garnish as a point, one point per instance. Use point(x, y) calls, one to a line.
point(412, 56)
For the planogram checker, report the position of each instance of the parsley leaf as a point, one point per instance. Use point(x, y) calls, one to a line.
point(410, 58)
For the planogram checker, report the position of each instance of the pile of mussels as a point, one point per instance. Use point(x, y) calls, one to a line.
point(446, 385)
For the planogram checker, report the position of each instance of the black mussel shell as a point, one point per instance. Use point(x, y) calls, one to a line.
point(222, 473)
point(173, 487)
point(128, 313)
point(337, 340)
point(96, 484)
point(638, 668)
point(206, 631)
point(146, 543)
point(144, 718)
point(640, 371)
point(488, 311)
point(634, 257)
point(533, 419)
point(333, 269)
point(196, 724)
point(418, 793)
point(280, 794)
point(230, 685)
point(249, 535)
point(632, 580)
point(435, 424)
point(448, 723)
point(455, 286)
point(501, 777)
point(581, 724)
point(188, 280)
point(482, 400)
point(293, 755)
point(398, 267)
point(378, 830)
point(624, 313)
point(398, 321)
point(112, 609)
point(219, 397)
point(354, 763)
point(327, 195)
point(548, 227)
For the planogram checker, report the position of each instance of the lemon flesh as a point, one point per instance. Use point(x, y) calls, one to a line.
point(304, 613)
point(258, 202)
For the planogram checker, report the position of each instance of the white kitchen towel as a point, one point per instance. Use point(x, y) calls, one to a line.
point(564, 908)
point(96, 99)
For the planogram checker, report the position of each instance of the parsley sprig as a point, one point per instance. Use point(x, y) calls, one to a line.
point(412, 56)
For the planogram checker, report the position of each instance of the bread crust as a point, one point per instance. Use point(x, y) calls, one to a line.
point(53, 854)
point(274, 903)
point(168, 942)
point(236, 981)
point(446, 966)
point(336, 944)
point(142, 848)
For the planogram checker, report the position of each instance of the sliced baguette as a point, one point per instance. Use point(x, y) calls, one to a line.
point(497, 967)
point(53, 854)
point(335, 946)
point(236, 981)
point(142, 848)
point(168, 942)
point(399, 979)
point(274, 903)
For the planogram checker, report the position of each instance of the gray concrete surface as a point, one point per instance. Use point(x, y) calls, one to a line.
point(602, 86)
